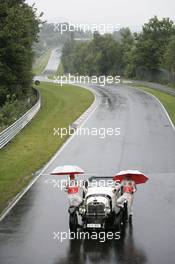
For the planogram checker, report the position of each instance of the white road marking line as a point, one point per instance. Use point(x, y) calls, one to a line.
point(155, 98)
point(169, 118)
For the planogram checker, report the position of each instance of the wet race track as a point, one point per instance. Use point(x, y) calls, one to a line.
point(146, 143)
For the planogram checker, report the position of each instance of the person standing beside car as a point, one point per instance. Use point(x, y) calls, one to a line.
point(128, 188)
point(72, 188)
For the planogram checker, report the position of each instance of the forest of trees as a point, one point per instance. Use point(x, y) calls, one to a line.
point(134, 55)
point(19, 28)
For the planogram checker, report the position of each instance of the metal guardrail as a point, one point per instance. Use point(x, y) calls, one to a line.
point(10, 132)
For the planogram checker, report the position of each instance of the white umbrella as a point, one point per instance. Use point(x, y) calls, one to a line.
point(67, 170)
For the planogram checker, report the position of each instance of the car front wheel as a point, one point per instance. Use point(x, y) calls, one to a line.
point(73, 222)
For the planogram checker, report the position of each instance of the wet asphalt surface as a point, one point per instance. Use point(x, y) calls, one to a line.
point(146, 143)
point(53, 62)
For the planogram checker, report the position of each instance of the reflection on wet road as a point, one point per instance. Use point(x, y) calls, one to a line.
point(111, 251)
point(146, 143)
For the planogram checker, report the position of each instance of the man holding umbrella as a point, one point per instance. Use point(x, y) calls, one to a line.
point(128, 180)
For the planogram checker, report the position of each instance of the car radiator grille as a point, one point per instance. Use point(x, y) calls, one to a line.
point(96, 209)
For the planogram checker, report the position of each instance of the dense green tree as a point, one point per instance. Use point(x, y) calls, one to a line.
point(152, 41)
point(19, 27)
point(169, 56)
point(128, 48)
point(101, 56)
point(131, 55)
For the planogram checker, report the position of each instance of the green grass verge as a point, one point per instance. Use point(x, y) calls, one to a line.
point(167, 100)
point(36, 144)
point(41, 63)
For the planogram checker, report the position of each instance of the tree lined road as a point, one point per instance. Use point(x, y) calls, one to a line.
point(146, 143)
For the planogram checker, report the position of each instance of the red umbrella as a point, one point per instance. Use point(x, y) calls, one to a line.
point(137, 176)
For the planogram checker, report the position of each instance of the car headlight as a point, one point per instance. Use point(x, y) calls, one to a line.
point(107, 210)
point(82, 210)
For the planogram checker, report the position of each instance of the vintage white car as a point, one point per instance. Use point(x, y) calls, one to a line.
point(98, 209)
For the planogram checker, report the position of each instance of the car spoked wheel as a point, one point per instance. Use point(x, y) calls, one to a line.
point(109, 223)
point(117, 222)
point(73, 221)
point(125, 212)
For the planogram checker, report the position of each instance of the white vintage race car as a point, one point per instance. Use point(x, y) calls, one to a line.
point(98, 209)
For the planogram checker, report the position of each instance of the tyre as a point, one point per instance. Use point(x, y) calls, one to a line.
point(73, 222)
point(37, 82)
point(109, 223)
point(117, 222)
point(125, 210)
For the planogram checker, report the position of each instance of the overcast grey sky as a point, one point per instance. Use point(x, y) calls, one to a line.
point(131, 13)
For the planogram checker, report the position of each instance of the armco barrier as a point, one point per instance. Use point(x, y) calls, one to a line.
point(10, 132)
